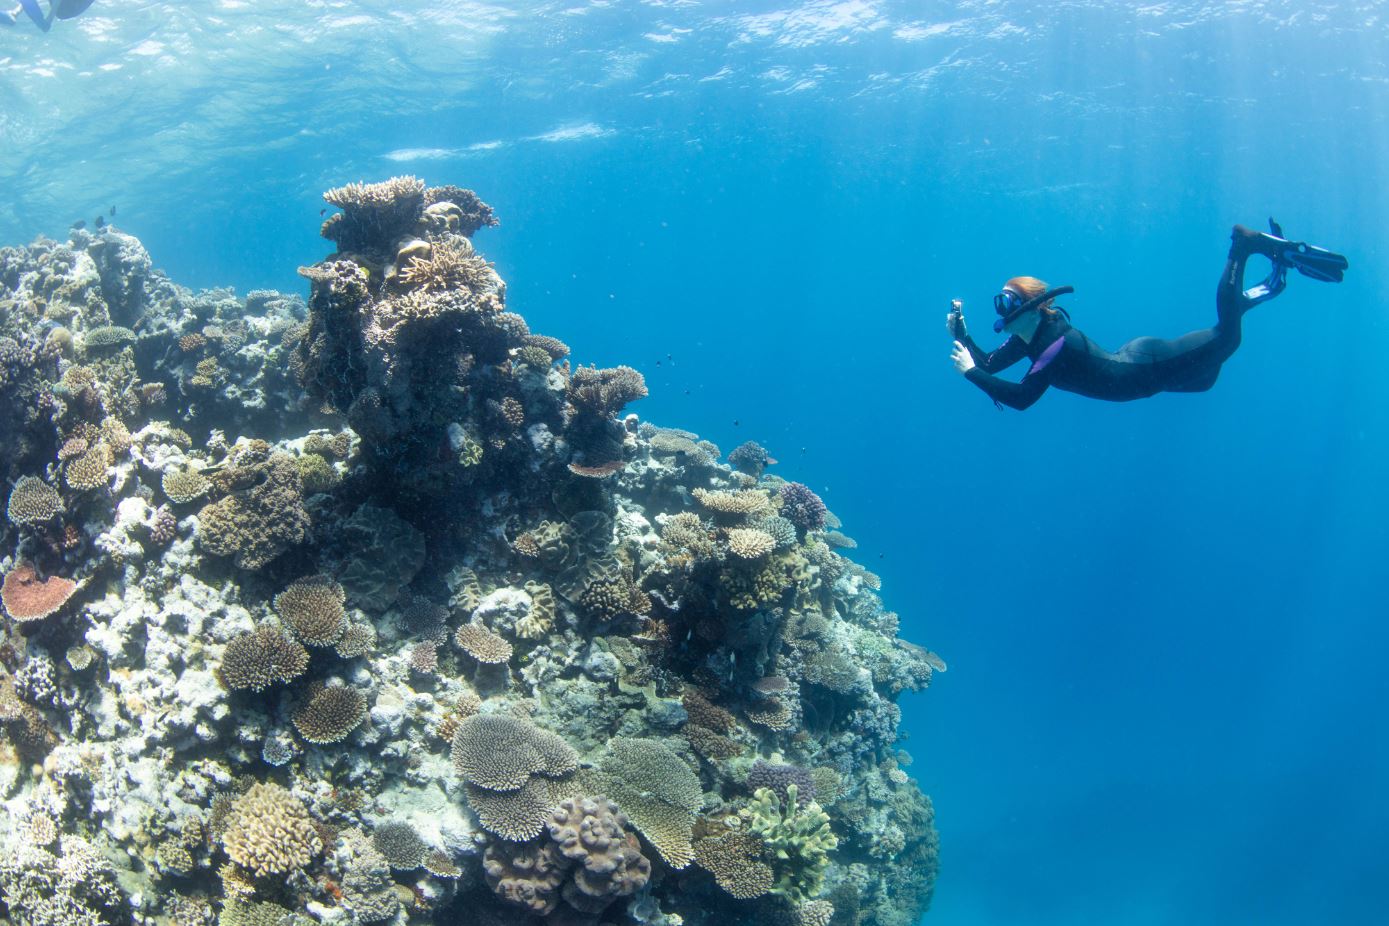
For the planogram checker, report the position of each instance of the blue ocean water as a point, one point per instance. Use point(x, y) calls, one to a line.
point(1165, 619)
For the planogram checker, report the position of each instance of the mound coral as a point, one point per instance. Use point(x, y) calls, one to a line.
point(29, 597)
point(269, 831)
point(256, 524)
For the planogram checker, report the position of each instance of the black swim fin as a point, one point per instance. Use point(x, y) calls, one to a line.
point(1306, 259)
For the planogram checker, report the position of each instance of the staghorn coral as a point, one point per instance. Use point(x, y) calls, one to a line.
point(107, 336)
point(313, 608)
point(33, 501)
point(554, 347)
point(657, 791)
point(263, 657)
point(29, 597)
point(330, 715)
point(268, 831)
point(358, 639)
point(448, 267)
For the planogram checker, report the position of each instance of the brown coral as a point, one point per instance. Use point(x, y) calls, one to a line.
point(28, 597)
point(735, 861)
point(33, 501)
point(501, 753)
point(657, 791)
point(313, 607)
point(741, 501)
point(750, 543)
point(482, 644)
point(331, 715)
point(269, 831)
point(255, 524)
point(89, 471)
point(256, 660)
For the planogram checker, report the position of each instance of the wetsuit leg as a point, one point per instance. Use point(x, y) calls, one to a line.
point(1192, 362)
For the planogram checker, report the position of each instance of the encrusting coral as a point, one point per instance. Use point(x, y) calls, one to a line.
point(373, 605)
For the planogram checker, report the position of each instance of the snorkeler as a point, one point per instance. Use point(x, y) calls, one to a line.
point(1062, 356)
point(57, 9)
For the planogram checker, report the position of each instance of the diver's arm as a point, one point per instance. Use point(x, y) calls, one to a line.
point(1001, 358)
point(1014, 395)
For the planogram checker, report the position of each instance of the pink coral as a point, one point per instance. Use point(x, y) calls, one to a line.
point(30, 598)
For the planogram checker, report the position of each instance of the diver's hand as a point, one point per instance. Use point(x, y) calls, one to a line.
point(963, 361)
point(955, 320)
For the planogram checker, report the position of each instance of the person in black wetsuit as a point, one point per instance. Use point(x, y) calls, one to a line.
point(1062, 356)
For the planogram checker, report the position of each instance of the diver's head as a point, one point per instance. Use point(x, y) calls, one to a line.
point(1015, 316)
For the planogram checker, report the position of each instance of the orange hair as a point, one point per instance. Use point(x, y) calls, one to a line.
point(1030, 287)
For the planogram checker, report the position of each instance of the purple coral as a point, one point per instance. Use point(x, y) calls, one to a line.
point(778, 778)
point(802, 507)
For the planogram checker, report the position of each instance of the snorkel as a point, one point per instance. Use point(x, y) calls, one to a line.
point(1007, 316)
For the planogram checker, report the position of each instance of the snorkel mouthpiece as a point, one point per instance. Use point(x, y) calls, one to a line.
point(1004, 321)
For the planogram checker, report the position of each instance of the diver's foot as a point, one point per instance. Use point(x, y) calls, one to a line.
point(1245, 241)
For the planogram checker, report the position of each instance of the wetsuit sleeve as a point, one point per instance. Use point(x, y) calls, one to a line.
point(1014, 395)
point(1007, 354)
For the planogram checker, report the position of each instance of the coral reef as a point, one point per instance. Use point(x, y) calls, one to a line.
point(373, 608)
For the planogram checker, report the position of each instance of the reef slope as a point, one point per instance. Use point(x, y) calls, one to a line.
point(372, 607)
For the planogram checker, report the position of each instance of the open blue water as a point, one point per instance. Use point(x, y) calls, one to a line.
point(1165, 621)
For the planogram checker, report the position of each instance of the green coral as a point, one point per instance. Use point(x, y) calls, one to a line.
point(798, 841)
point(318, 474)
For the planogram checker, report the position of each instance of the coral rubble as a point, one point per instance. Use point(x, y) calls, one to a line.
point(370, 608)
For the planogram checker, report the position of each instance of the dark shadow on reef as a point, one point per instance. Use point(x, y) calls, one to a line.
point(374, 608)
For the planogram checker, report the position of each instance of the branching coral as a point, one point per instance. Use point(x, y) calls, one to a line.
point(750, 457)
point(261, 658)
point(801, 506)
point(798, 840)
point(743, 501)
point(750, 543)
point(33, 501)
point(511, 768)
point(269, 831)
point(331, 714)
point(482, 644)
point(735, 860)
point(374, 215)
point(603, 393)
point(400, 845)
point(313, 608)
point(182, 486)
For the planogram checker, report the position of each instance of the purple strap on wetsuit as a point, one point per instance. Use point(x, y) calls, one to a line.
point(1048, 355)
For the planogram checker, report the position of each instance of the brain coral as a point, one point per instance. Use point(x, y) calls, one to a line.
point(27, 597)
point(33, 501)
point(313, 607)
point(331, 715)
point(269, 831)
point(260, 658)
point(541, 618)
point(658, 792)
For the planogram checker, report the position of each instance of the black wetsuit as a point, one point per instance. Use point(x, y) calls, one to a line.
point(1141, 368)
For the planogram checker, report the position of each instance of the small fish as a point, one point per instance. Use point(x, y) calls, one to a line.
point(113, 212)
point(658, 363)
point(321, 211)
point(100, 222)
point(736, 422)
point(687, 392)
point(79, 224)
